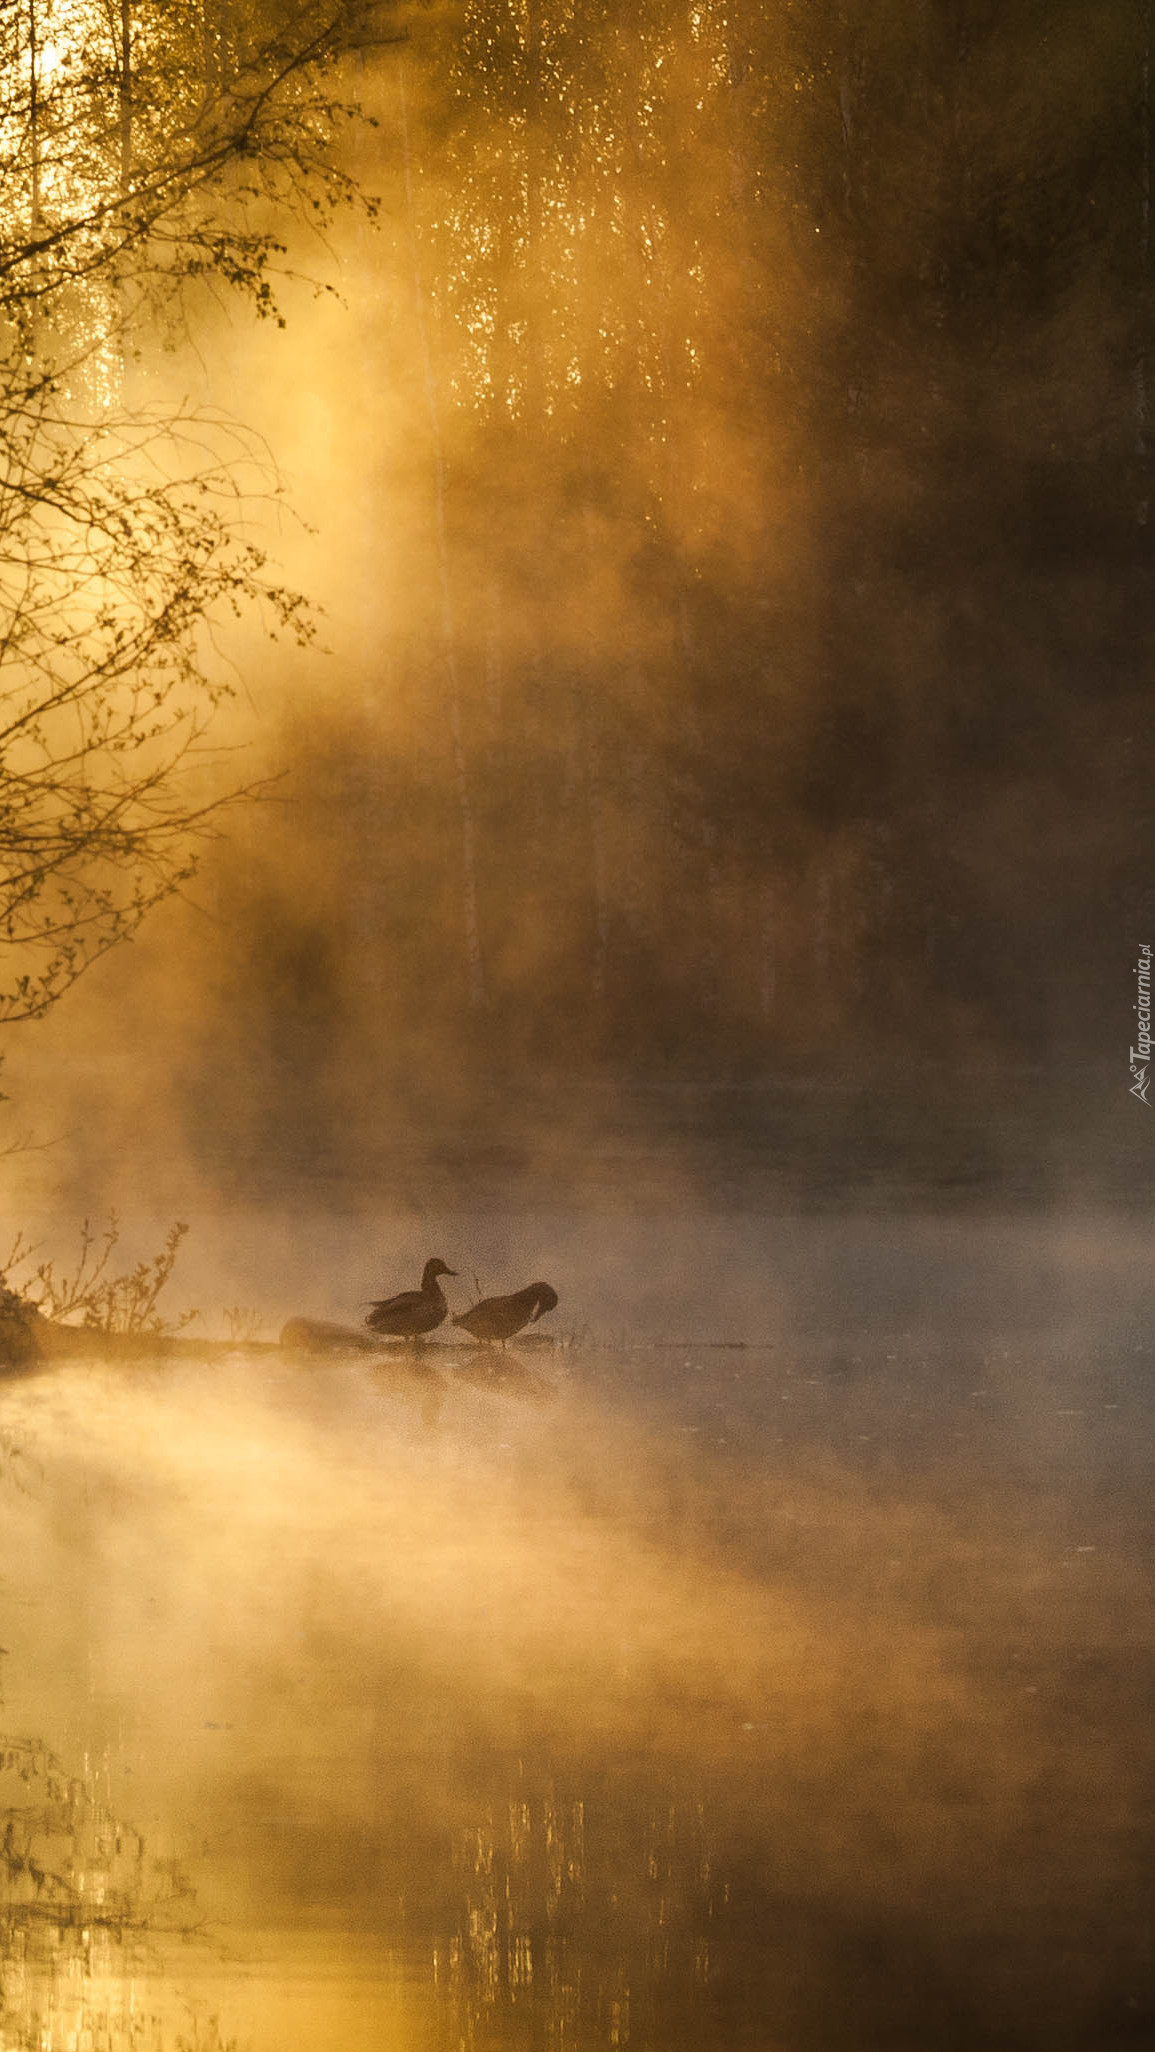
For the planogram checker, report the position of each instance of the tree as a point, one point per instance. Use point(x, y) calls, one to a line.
point(784, 466)
point(147, 152)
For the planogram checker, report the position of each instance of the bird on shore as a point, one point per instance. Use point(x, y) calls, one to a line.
point(498, 1318)
point(413, 1313)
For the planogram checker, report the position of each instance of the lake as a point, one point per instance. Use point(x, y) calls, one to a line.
point(765, 1664)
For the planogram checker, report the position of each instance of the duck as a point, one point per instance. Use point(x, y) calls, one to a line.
point(413, 1313)
point(498, 1318)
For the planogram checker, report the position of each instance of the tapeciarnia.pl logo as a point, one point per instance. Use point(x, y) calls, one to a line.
point(1141, 1055)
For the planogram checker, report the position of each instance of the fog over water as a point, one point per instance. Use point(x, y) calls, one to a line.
point(791, 1692)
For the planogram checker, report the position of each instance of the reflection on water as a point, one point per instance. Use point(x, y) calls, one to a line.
point(662, 1699)
point(590, 1918)
point(83, 1911)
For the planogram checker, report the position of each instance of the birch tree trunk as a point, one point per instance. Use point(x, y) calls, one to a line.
point(34, 112)
point(125, 93)
point(471, 930)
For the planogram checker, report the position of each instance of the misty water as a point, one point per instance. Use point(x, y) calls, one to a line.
point(766, 1662)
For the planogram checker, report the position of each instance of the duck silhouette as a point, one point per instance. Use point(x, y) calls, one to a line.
point(413, 1313)
point(498, 1318)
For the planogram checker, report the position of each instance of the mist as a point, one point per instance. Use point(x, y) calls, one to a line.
point(858, 1698)
point(699, 859)
point(731, 673)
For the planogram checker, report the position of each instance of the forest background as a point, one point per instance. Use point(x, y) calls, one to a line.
point(730, 466)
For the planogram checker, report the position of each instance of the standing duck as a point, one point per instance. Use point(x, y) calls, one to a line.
point(414, 1312)
point(498, 1318)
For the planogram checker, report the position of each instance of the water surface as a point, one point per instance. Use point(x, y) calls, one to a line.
point(771, 1671)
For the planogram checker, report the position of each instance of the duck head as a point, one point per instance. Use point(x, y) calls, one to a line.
point(546, 1298)
point(432, 1270)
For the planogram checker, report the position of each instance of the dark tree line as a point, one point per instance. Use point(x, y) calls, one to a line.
point(767, 629)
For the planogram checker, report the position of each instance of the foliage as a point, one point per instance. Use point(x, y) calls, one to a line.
point(92, 1294)
point(146, 152)
point(243, 1323)
point(153, 145)
point(104, 591)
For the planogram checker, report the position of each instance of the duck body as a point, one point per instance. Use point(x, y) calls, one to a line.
point(498, 1318)
point(413, 1313)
